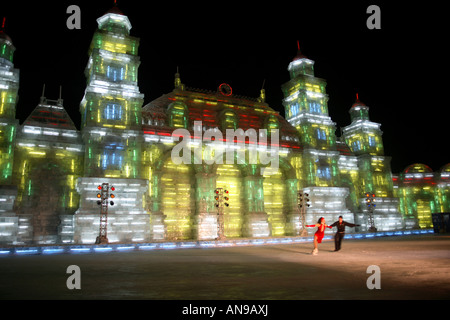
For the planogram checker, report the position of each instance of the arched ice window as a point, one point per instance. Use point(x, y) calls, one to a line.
point(178, 115)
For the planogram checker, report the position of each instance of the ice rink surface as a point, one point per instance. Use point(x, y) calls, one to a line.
point(411, 267)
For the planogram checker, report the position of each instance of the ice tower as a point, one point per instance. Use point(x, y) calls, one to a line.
point(306, 108)
point(9, 87)
point(363, 137)
point(112, 133)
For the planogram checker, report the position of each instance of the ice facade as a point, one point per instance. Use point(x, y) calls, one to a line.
point(50, 170)
point(48, 161)
point(422, 192)
point(183, 194)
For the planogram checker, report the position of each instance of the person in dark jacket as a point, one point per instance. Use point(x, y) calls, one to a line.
point(340, 233)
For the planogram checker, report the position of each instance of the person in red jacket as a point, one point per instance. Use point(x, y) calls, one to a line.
point(318, 236)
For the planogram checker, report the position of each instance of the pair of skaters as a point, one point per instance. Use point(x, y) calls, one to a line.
point(321, 225)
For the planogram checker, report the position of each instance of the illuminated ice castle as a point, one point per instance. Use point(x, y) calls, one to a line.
point(50, 170)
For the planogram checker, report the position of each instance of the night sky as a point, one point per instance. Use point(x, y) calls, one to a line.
point(400, 71)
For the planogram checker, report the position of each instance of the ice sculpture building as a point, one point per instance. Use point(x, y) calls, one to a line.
point(50, 170)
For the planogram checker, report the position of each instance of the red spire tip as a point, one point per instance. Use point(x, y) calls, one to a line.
point(298, 45)
point(3, 23)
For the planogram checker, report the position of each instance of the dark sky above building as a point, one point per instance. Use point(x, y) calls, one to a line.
point(399, 71)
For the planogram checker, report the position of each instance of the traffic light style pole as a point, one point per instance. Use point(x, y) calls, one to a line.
point(370, 201)
point(103, 202)
point(221, 197)
point(303, 203)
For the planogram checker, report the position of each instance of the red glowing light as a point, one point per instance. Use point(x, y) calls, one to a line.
point(225, 89)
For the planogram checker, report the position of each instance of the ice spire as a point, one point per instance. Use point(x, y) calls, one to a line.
point(43, 98)
point(60, 100)
point(3, 34)
point(262, 96)
point(299, 55)
point(178, 84)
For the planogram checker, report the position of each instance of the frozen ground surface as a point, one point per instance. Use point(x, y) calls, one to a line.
point(412, 267)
